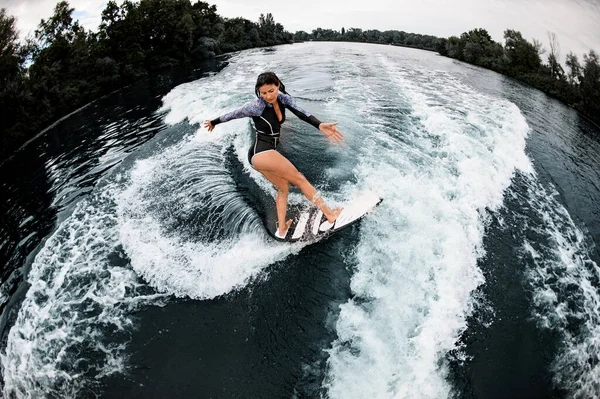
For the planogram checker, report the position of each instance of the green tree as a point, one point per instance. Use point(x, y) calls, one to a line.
point(57, 76)
point(441, 46)
point(233, 36)
point(522, 60)
point(373, 36)
point(556, 70)
point(209, 27)
point(354, 35)
point(454, 47)
point(266, 24)
point(301, 36)
point(590, 84)
point(11, 54)
point(271, 32)
point(575, 69)
point(58, 28)
point(14, 96)
point(476, 45)
point(69, 66)
point(522, 57)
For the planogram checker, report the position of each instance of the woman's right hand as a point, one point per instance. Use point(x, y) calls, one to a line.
point(208, 125)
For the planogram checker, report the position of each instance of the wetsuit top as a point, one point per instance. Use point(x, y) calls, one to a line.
point(264, 117)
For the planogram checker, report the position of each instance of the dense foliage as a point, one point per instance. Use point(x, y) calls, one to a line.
point(579, 87)
point(63, 66)
point(394, 37)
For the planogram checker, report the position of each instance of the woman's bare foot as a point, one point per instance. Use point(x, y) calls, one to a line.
point(283, 229)
point(333, 215)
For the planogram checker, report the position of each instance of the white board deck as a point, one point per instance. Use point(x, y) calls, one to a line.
point(311, 224)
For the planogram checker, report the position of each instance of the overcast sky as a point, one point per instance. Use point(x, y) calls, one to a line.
point(575, 22)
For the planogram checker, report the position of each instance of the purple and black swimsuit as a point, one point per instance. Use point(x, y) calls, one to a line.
point(266, 124)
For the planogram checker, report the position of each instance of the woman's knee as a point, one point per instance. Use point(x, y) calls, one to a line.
point(298, 179)
point(283, 188)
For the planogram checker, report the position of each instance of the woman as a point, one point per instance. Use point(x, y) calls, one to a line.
point(268, 113)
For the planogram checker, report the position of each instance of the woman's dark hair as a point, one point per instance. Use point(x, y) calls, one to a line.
point(268, 78)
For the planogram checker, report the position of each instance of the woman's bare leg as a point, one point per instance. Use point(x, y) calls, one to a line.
point(275, 164)
point(283, 188)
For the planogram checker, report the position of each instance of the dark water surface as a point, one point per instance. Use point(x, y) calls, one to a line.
point(477, 279)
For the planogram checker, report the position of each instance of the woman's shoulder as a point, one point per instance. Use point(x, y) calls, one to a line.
point(286, 99)
point(256, 106)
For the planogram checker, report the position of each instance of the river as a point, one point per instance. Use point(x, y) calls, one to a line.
point(136, 263)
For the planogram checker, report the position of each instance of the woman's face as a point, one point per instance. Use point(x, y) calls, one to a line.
point(269, 92)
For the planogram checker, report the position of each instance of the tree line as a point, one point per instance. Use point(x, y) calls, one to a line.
point(394, 37)
point(63, 66)
point(578, 86)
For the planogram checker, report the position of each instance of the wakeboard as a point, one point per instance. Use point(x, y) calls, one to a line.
point(311, 225)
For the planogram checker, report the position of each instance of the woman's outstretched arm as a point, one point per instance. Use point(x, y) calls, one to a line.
point(255, 108)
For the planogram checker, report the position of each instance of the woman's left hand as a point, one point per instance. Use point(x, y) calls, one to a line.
point(331, 131)
point(209, 126)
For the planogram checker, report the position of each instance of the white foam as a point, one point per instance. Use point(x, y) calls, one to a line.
point(78, 303)
point(566, 299)
point(181, 265)
point(78, 294)
point(191, 177)
point(416, 265)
